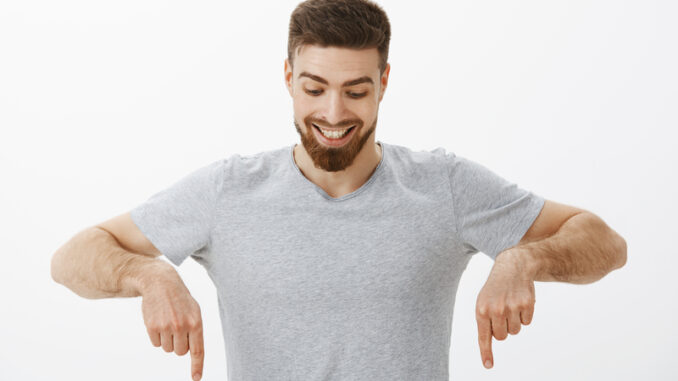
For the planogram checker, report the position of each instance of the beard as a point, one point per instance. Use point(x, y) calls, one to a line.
point(334, 159)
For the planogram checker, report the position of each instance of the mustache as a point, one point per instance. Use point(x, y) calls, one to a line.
point(342, 124)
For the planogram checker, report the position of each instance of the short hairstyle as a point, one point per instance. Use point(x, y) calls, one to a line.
point(357, 24)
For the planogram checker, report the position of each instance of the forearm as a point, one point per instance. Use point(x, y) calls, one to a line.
point(582, 251)
point(93, 265)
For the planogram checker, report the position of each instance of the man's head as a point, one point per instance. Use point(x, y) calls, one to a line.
point(336, 73)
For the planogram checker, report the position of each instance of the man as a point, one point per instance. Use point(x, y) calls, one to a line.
point(338, 258)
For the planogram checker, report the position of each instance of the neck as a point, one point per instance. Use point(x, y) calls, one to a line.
point(340, 183)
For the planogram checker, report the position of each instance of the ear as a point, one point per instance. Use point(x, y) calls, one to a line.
point(384, 81)
point(288, 77)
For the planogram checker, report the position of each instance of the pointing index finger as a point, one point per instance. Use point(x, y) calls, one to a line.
point(196, 346)
point(485, 340)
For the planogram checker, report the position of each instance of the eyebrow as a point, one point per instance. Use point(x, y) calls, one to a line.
point(351, 82)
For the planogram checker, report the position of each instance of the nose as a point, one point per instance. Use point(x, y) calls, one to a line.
point(335, 109)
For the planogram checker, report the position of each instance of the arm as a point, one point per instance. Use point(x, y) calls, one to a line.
point(582, 250)
point(102, 262)
point(94, 265)
point(563, 244)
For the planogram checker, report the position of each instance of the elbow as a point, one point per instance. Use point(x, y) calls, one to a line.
point(59, 265)
point(55, 268)
point(620, 252)
point(62, 260)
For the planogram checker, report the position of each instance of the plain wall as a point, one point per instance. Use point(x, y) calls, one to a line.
point(104, 104)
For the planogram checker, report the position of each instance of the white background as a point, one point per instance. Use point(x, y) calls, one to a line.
point(104, 103)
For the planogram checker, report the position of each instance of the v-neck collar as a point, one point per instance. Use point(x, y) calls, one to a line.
point(356, 192)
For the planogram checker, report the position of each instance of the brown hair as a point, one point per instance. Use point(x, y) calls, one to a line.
point(357, 24)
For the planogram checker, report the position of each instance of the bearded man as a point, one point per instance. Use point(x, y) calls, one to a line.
point(337, 258)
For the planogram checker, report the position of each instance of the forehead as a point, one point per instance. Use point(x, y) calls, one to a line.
point(337, 64)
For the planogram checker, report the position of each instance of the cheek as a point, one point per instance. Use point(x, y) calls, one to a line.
point(367, 112)
point(301, 107)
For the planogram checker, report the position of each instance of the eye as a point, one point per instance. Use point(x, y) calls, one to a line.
point(315, 93)
point(357, 95)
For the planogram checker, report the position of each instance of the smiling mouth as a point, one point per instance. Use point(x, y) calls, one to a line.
point(334, 133)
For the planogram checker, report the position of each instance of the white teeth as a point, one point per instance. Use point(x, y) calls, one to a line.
point(334, 134)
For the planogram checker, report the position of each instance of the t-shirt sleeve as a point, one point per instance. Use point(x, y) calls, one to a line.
point(178, 220)
point(492, 214)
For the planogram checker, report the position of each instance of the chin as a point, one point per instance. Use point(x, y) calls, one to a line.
point(334, 159)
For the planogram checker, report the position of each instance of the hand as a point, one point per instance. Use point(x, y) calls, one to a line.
point(172, 318)
point(506, 300)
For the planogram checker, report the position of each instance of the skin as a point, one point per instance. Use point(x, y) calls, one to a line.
point(342, 170)
point(114, 259)
point(173, 320)
point(564, 244)
point(505, 302)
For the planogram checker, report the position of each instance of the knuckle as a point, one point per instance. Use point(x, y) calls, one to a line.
point(193, 324)
point(515, 310)
point(524, 303)
point(154, 326)
point(176, 325)
point(164, 327)
point(197, 352)
point(498, 310)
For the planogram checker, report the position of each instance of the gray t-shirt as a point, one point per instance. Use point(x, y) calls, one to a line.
point(359, 287)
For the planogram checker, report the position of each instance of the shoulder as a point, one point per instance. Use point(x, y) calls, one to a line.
point(420, 168)
point(254, 168)
point(417, 157)
point(464, 175)
point(418, 162)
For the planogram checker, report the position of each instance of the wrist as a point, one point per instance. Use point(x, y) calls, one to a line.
point(141, 273)
point(521, 260)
